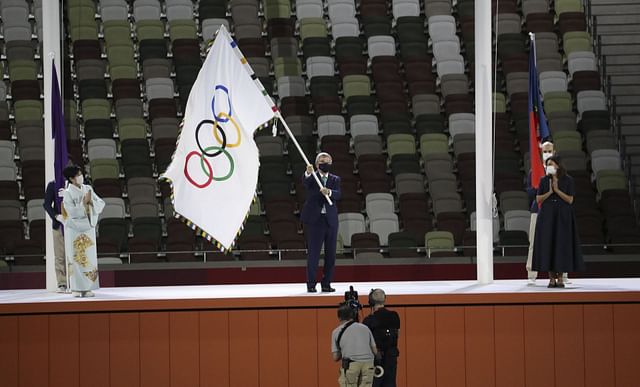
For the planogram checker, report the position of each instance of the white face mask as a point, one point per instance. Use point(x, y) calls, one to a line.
point(546, 155)
point(551, 170)
point(79, 180)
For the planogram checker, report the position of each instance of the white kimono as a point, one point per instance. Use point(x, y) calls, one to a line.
point(80, 237)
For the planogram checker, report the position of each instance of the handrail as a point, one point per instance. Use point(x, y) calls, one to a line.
point(496, 247)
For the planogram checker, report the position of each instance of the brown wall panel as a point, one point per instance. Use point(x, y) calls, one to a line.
point(64, 350)
point(418, 330)
point(509, 345)
point(598, 346)
point(505, 345)
point(626, 320)
point(303, 347)
point(569, 345)
point(479, 346)
point(539, 345)
point(184, 340)
point(214, 349)
point(243, 348)
point(327, 368)
point(450, 360)
point(124, 334)
point(33, 347)
point(154, 350)
point(94, 349)
point(274, 348)
point(9, 350)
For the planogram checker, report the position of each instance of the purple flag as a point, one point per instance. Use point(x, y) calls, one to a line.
point(59, 135)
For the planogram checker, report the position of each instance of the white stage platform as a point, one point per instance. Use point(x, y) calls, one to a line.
point(284, 291)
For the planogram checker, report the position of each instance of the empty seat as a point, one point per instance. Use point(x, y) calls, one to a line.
point(581, 61)
point(553, 81)
point(350, 223)
point(439, 243)
point(517, 220)
point(381, 46)
point(590, 100)
point(383, 225)
point(605, 159)
point(441, 26)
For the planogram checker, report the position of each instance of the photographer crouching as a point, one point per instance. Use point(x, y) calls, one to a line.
point(385, 325)
point(353, 344)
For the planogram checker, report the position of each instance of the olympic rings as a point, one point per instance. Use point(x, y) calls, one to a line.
point(203, 163)
point(235, 124)
point(213, 104)
point(215, 126)
point(219, 118)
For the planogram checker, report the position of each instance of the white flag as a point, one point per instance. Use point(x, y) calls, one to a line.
point(214, 170)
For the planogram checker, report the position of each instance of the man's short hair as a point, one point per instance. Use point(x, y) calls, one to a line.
point(322, 154)
point(377, 297)
point(346, 312)
point(547, 143)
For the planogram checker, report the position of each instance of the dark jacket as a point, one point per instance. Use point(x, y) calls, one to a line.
point(384, 325)
point(50, 204)
point(312, 208)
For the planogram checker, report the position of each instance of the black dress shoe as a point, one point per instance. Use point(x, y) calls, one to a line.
point(327, 289)
point(311, 290)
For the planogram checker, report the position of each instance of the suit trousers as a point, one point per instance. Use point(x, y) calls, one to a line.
point(58, 252)
point(319, 233)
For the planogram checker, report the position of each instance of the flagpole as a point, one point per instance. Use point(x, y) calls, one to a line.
point(51, 51)
point(304, 157)
point(484, 138)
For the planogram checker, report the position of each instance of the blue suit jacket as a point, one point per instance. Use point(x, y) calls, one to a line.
point(312, 208)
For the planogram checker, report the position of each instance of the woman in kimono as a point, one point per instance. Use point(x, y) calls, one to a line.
point(80, 209)
point(556, 246)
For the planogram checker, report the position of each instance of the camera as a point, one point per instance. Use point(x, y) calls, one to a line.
point(351, 300)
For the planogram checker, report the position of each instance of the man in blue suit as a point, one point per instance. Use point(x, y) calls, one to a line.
point(320, 221)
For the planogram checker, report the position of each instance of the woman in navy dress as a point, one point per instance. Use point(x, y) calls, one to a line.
point(556, 246)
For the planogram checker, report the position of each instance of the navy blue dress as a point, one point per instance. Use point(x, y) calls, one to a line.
point(557, 245)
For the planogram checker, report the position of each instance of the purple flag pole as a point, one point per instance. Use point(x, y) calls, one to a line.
point(59, 135)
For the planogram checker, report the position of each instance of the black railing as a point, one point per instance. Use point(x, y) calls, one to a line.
point(424, 252)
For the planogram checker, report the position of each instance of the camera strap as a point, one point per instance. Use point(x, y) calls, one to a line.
point(344, 328)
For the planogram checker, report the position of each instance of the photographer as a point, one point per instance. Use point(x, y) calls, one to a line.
point(353, 343)
point(384, 325)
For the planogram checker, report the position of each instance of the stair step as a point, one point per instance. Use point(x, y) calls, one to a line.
point(635, 171)
point(622, 59)
point(628, 89)
point(620, 39)
point(627, 100)
point(622, 69)
point(620, 49)
point(633, 160)
point(625, 79)
point(630, 119)
point(615, 19)
point(615, 9)
point(614, 29)
point(627, 109)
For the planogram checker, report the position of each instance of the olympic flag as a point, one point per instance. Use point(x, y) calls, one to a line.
point(214, 170)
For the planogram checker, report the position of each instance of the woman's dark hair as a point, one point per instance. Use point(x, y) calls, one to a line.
point(70, 172)
point(561, 170)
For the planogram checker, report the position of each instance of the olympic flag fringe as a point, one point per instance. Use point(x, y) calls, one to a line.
point(214, 170)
